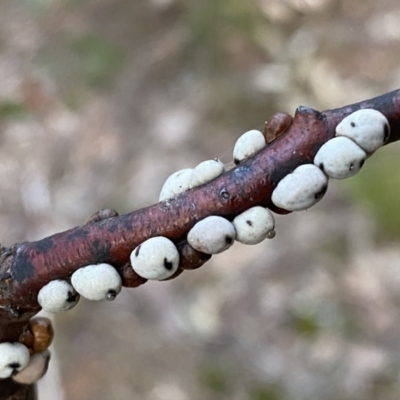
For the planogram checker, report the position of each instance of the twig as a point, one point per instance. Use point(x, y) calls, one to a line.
point(26, 267)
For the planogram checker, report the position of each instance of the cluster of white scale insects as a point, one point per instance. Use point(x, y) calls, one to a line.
point(357, 136)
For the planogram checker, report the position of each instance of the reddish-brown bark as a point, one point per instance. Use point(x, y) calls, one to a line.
point(29, 266)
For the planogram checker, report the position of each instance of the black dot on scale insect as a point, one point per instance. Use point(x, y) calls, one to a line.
point(167, 264)
point(111, 295)
point(71, 297)
point(321, 193)
point(228, 240)
point(386, 133)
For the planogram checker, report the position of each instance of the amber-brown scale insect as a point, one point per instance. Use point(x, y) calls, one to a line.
point(38, 335)
point(278, 124)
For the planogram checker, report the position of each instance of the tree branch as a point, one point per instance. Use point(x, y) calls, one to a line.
point(26, 267)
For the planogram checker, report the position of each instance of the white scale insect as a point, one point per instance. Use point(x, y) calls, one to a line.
point(156, 258)
point(212, 235)
point(14, 357)
point(57, 296)
point(97, 282)
point(254, 225)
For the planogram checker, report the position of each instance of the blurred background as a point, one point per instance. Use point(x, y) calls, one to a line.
point(101, 100)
